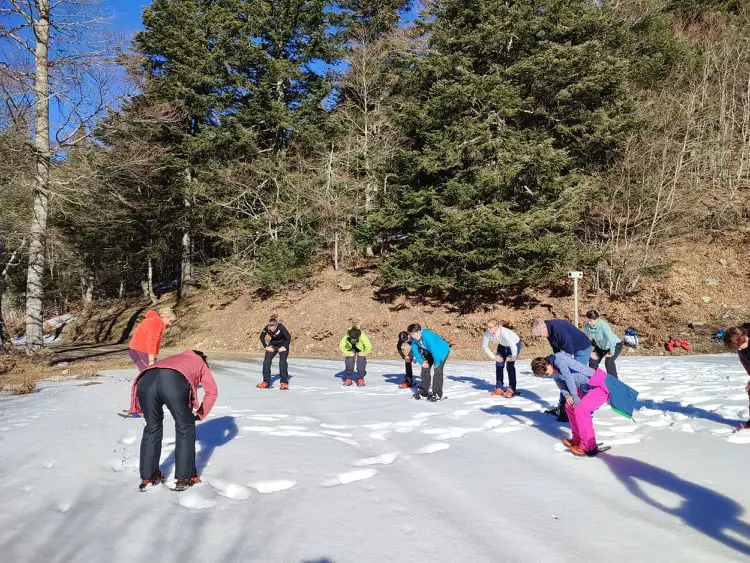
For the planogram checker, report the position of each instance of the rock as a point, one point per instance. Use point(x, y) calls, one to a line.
point(724, 262)
point(706, 300)
point(696, 324)
point(63, 364)
point(322, 335)
point(65, 371)
point(710, 281)
point(345, 286)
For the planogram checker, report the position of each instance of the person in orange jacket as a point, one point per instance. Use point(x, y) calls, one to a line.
point(146, 341)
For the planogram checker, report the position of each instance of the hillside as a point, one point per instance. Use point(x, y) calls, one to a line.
point(218, 322)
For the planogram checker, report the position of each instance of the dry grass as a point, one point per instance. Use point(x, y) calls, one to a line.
point(18, 374)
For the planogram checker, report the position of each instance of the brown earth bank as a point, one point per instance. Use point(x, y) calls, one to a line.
point(705, 284)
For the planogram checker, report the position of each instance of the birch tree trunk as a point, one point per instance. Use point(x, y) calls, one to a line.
point(38, 229)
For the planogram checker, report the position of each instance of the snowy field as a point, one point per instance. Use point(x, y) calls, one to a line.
point(324, 473)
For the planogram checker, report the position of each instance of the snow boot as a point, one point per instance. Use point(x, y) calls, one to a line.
point(434, 398)
point(499, 392)
point(284, 386)
point(157, 480)
point(361, 382)
point(578, 451)
point(404, 385)
point(182, 484)
point(347, 382)
point(263, 385)
point(420, 394)
point(509, 393)
point(568, 443)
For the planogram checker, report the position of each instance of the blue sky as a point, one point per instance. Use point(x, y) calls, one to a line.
point(126, 14)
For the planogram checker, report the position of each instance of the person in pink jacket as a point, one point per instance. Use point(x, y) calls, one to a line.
point(173, 382)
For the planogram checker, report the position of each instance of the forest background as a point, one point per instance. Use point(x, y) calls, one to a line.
point(455, 156)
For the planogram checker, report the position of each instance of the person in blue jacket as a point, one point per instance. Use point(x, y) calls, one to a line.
point(431, 351)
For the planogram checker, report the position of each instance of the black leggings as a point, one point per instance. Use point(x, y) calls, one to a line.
point(158, 387)
point(609, 363)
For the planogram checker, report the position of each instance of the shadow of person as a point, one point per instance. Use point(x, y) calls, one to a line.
point(475, 382)
point(702, 509)
point(209, 435)
point(697, 412)
point(395, 378)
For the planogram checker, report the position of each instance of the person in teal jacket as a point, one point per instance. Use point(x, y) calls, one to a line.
point(607, 346)
point(431, 351)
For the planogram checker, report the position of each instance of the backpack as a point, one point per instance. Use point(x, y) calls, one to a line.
point(719, 335)
point(630, 338)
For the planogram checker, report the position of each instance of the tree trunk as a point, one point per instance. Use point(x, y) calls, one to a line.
point(35, 275)
point(87, 289)
point(150, 281)
point(186, 266)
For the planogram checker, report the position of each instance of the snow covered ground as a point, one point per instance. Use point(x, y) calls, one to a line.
point(326, 473)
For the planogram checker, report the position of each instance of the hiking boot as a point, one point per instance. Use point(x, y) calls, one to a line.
point(578, 451)
point(433, 398)
point(404, 385)
point(508, 393)
point(182, 484)
point(569, 443)
point(361, 382)
point(158, 479)
point(499, 392)
point(284, 386)
point(347, 382)
point(263, 385)
point(563, 416)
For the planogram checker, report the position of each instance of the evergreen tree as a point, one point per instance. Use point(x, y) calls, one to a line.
point(513, 111)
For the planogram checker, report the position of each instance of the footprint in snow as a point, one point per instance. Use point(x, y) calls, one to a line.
point(741, 437)
point(624, 429)
point(384, 459)
point(380, 435)
point(347, 441)
point(507, 429)
point(351, 477)
point(230, 490)
point(433, 448)
point(624, 441)
point(336, 433)
point(197, 497)
point(128, 440)
point(266, 487)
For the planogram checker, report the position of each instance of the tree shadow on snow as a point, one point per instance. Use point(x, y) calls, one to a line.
point(704, 510)
point(209, 435)
point(695, 412)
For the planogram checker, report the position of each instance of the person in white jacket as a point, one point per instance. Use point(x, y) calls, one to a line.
point(508, 348)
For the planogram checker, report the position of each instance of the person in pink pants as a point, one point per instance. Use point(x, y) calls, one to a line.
point(581, 422)
point(584, 390)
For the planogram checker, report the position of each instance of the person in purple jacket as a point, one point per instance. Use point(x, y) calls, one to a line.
point(563, 336)
point(584, 390)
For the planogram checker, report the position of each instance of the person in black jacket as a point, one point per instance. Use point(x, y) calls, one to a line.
point(405, 340)
point(737, 339)
point(275, 339)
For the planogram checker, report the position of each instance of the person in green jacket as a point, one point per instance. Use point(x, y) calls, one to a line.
point(607, 346)
point(356, 347)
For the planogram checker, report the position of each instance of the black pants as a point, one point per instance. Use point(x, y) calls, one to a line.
point(436, 379)
point(349, 362)
point(156, 388)
point(609, 363)
point(283, 367)
point(409, 377)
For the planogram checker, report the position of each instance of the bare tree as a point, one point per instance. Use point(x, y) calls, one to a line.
point(57, 52)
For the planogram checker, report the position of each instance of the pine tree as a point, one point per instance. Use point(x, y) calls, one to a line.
point(515, 109)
